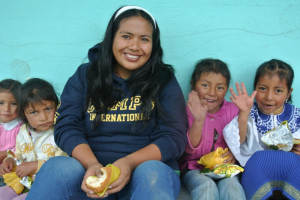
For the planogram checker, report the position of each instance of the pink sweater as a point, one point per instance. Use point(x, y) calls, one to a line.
point(216, 121)
point(8, 135)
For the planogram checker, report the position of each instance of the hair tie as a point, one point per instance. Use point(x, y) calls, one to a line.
point(125, 8)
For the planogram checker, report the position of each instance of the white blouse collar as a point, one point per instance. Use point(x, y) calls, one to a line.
point(12, 124)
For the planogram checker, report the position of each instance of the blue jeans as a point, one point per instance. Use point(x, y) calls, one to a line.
point(204, 188)
point(61, 178)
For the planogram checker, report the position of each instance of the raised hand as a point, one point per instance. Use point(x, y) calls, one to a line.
point(242, 100)
point(198, 108)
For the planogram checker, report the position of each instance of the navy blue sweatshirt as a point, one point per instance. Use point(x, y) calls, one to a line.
point(120, 131)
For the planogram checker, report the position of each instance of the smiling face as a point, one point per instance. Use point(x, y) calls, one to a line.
point(41, 116)
point(132, 45)
point(212, 88)
point(8, 107)
point(271, 93)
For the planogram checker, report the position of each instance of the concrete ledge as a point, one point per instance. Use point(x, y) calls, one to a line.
point(184, 194)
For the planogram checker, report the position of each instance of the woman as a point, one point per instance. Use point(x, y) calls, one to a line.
point(125, 107)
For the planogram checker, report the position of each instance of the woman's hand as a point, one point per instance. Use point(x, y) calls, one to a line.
point(26, 168)
point(231, 159)
point(296, 149)
point(7, 166)
point(92, 170)
point(198, 108)
point(126, 166)
point(242, 100)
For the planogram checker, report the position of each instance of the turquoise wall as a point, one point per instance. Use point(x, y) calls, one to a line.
point(50, 39)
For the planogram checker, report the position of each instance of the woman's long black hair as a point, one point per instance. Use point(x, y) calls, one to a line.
point(148, 80)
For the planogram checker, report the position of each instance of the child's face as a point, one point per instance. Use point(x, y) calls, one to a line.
point(132, 45)
point(41, 116)
point(8, 107)
point(212, 88)
point(271, 93)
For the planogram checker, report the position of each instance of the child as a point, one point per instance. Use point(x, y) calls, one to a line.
point(266, 171)
point(208, 113)
point(35, 141)
point(9, 121)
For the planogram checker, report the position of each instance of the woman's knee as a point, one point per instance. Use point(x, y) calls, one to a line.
point(153, 171)
point(154, 178)
point(60, 169)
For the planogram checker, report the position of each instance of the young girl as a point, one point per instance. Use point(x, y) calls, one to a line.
point(126, 108)
point(35, 141)
point(208, 113)
point(9, 120)
point(266, 171)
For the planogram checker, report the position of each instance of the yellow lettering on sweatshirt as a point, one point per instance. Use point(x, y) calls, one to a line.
point(92, 116)
point(113, 117)
point(121, 104)
point(135, 101)
point(119, 118)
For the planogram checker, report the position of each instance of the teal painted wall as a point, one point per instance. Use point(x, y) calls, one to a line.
point(50, 39)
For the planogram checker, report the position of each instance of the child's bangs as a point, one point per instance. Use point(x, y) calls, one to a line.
point(36, 98)
point(281, 73)
point(33, 101)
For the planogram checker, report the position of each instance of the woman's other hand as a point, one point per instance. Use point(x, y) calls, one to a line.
point(126, 166)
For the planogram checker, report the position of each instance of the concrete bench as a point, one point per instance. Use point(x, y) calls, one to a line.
point(184, 194)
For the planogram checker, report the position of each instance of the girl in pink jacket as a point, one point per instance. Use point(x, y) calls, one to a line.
point(208, 113)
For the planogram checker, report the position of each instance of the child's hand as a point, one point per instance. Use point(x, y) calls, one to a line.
point(296, 149)
point(92, 170)
point(26, 168)
point(7, 166)
point(231, 159)
point(242, 99)
point(198, 108)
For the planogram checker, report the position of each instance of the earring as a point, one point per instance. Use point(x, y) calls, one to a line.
point(286, 100)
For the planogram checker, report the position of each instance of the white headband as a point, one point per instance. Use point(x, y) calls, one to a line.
point(125, 8)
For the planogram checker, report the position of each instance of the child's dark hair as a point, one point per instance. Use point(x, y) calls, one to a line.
point(210, 65)
point(10, 85)
point(34, 91)
point(276, 67)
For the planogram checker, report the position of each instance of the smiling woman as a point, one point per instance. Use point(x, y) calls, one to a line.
point(124, 108)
